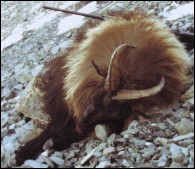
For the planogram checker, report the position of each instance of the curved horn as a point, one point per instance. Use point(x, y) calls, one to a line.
point(126, 94)
point(113, 77)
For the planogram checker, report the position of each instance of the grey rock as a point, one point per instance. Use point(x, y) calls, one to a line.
point(147, 152)
point(190, 166)
point(101, 146)
point(162, 161)
point(57, 160)
point(4, 119)
point(46, 47)
point(104, 164)
point(89, 147)
point(70, 154)
point(103, 158)
point(179, 113)
point(121, 153)
point(6, 93)
point(58, 154)
point(48, 161)
point(98, 154)
point(18, 87)
point(192, 153)
point(54, 50)
point(80, 166)
point(140, 144)
point(68, 34)
point(175, 165)
point(133, 127)
point(121, 140)
point(18, 67)
point(67, 163)
point(177, 156)
point(46, 153)
point(88, 156)
point(187, 142)
point(162, 164)
point(185, 151)
point(149, 144)
point(4, 132)
point(162, 126)
point(111, 139)
point(185, 126)
point(11, 161)
point(11, 146)
point(35, 164)
point(23, 77)
point(130, 150)
point(137, 157)
point(108, 150)
point(146, 165)
point(36, 70)
point(73, 160)
point(162, 141)
point(126, 163)
point(64, 44)
point(190, 147)
point(174, 148)
point(192, 116)
point(191, 161)
point(127, 135)
point(186, 161)
point(183, 137)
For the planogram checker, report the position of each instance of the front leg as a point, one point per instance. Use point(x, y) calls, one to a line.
point(31, 149)
point(66, 138)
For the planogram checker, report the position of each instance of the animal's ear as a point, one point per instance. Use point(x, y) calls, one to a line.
point(112, 81)
point(96, 67)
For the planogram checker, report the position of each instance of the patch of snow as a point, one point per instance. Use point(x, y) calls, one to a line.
point(75, 21)
point(181, 11)
point(15, 36)
point(72, 21)
point(41, 19)
point(40, 22)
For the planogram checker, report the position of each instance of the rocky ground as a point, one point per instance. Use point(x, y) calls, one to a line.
point(30, 36)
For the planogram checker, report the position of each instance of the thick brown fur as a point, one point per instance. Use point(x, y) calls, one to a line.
point(158, 53)
point(74, 88)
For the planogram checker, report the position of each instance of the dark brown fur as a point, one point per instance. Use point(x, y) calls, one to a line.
point(73, 85)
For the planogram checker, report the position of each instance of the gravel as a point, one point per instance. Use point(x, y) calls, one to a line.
point(27, 45)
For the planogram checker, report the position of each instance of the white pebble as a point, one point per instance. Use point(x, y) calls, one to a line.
point(101, 132)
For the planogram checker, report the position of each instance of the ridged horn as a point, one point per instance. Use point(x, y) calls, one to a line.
point(125, 94)
point(113, 77)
